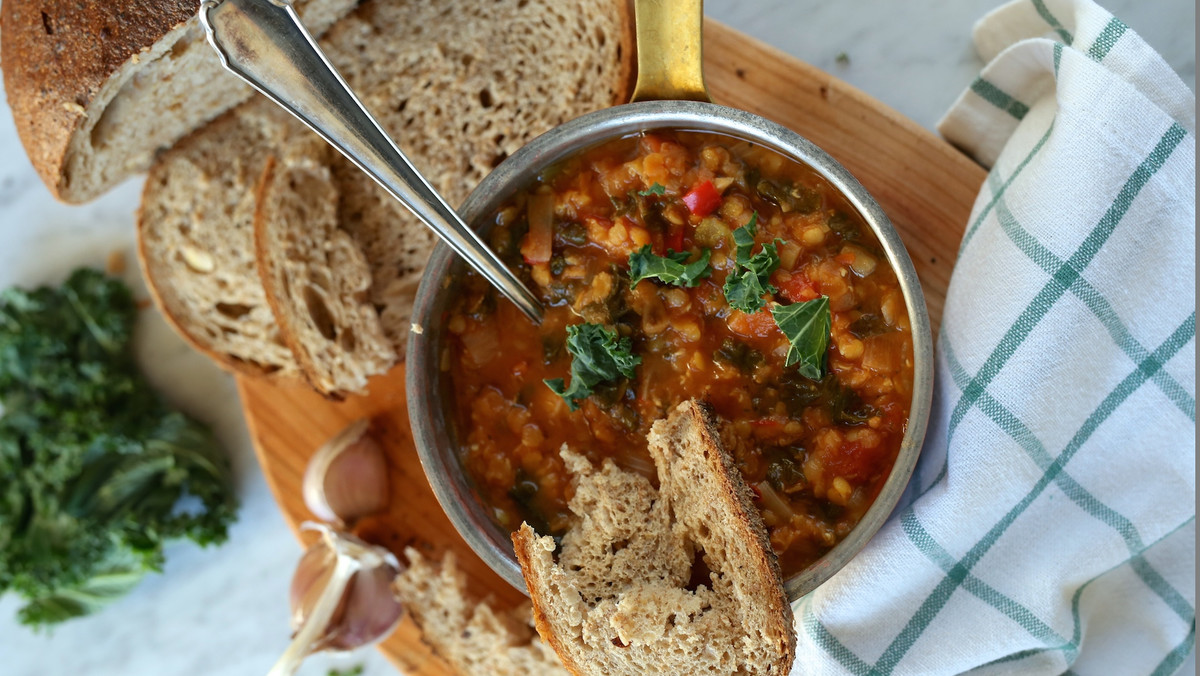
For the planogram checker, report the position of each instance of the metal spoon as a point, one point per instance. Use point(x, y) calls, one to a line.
point(264, 43)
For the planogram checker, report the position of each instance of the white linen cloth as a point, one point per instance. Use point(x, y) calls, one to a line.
point(1050, 526)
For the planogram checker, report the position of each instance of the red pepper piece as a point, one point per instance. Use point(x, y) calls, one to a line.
point(702, 199)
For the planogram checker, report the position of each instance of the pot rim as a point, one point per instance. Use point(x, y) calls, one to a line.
point(430, 420)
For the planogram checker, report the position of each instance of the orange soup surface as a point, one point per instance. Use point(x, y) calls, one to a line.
point(815, 452)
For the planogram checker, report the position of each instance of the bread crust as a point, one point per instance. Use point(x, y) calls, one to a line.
point(56, 55)
point(627, 77)
point(524, 539)
point(748, 517)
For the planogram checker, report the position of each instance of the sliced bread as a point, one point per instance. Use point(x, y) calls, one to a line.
point(679, 579)
point(314, 276)
point(196, 240)
point(467, 633)
point(459, 84)
point(97, 88)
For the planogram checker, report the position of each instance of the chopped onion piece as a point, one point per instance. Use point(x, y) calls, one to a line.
point(864, 263)
point(882, 353)
point(775, 502)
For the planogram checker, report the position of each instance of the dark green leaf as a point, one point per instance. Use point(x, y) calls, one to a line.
point(790, 196)
point(672, 268)
point(97, 467)
point(743, 240)
point(739, 354)
point(806, 326)
point(655, 189)
point(868, 325)
point(844, 226)
point(746, 285)
point(597, 356)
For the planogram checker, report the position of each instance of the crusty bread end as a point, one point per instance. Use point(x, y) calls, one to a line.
point(97, 88)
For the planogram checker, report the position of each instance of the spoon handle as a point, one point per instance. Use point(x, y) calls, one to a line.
point(264, 43)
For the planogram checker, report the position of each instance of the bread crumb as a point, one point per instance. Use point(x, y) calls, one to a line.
point(115, 263)
point(416, 328)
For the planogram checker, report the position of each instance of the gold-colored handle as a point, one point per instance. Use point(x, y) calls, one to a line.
point(669, 51)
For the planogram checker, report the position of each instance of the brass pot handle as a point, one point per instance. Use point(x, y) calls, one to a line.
point(670, 51)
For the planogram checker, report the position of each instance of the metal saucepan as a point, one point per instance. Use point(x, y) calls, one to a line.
point(670, 94)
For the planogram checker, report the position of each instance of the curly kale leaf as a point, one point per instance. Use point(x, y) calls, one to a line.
point(597, 356)
point(747, 283)
point(100, 471)
point(671, 269)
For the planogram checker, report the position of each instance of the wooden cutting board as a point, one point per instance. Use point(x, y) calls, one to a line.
point(925, 186)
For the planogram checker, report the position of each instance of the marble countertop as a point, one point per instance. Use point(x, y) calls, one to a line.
point(223, 611)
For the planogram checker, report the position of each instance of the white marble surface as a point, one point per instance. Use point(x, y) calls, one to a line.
point(223, 611)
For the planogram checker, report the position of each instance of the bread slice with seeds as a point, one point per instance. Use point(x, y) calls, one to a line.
point(618, 596)
point(196, 240)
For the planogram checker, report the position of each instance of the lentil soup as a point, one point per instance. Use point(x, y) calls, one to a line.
point(815, 441)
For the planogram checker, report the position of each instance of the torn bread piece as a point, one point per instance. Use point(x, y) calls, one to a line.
point(621, 594)
point(468, 634)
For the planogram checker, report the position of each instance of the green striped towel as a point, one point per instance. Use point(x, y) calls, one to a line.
point(1050, 526)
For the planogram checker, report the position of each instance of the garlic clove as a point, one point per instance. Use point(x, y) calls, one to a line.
point(347, 478)
point(370, 610)
point(310, 578)
point(342, 597)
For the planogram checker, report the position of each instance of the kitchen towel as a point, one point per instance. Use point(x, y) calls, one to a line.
point(1050, 525)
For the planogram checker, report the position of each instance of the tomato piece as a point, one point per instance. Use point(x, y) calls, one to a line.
point(757, 325)
point(798, 289)
point(674, 239)
point(702, 199)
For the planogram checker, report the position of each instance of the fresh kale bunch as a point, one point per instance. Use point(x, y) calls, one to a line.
point(97, 472)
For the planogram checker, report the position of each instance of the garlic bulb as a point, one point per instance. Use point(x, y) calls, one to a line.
point(347, 478)
point(341, 597)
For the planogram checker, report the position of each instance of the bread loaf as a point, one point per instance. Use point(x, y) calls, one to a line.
point(675, 580)
point(97, 88)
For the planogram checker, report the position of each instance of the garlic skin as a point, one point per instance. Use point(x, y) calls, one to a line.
point(341, 597)
point(347, 478)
